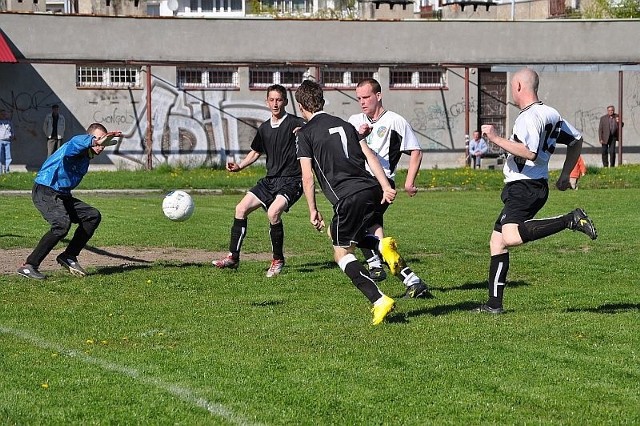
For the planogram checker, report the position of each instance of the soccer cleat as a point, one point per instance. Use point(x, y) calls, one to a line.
point(227, 262)
point(377, 274)
point(71, 264)
point(418, 291)
point(389, 252)
point(275, 268)
point(30, 271)
point(382, 308)
point(488, 309)
point(583, 223)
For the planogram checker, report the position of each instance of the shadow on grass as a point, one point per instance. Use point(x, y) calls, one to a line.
point(609, 308)
point(313, 266)
point(115, 255)
point(439, 310)
point(266, 303)
point(110, 270)
point(478, 285)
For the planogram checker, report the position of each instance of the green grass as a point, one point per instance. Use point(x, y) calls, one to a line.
point(165, 178)
point(183, 343)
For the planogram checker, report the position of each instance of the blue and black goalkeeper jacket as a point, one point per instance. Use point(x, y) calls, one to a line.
point(66, 167)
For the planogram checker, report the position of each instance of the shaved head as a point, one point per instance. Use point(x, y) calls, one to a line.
point(524, 87)
point(528, 78)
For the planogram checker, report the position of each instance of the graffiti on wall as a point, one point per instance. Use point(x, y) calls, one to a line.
point(434, 123)
point(187, 128)
point(26, 108)
point(632, 115)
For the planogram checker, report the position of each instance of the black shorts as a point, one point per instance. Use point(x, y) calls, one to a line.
point(353, 215)
point(267, 189)
point(522, 200)
point(378, 216)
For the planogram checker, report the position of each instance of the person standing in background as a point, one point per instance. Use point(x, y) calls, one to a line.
point(608, 134)
point(6, 136)
point(53, 128)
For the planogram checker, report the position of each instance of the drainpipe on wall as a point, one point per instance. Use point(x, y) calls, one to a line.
point(149, 137)
point(620, 91)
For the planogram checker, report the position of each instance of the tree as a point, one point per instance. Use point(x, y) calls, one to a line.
point(608, 9)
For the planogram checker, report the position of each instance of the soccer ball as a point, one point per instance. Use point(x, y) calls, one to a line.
point(178, 206)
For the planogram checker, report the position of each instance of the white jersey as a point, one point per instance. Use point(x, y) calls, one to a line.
point(539, 127)
point(391, 135)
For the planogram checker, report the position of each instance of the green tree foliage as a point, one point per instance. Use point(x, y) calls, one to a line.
point(607, 9)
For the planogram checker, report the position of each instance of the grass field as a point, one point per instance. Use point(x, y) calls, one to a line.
point(184, 343)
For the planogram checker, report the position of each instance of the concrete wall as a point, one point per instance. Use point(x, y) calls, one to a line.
point(199, 127)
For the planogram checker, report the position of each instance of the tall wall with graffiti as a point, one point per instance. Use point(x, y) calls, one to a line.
point(204, 127)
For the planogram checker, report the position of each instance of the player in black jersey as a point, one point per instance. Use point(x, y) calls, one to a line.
point(278, 190)
point(331, 148)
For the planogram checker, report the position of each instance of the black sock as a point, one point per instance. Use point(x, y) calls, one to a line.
point(498, 269)
point(360, 278)
point(535, 229)
point(238, 232)
point(276, 232)
point(369, 242)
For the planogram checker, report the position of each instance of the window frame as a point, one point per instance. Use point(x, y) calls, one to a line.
point(205, 78)
point(106, 76)
point(348, 80)
point(277, 74)
point(418, 77)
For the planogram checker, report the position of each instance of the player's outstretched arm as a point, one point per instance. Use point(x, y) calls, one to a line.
point(389, 194)
point(309, 188)
point(573, 153)
point(251, 158)
point(108, 138)
point(412, 172)
point(514, 148)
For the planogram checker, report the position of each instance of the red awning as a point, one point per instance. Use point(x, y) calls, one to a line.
point(6, 55)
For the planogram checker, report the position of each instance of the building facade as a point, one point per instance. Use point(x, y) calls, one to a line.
point(192, 92)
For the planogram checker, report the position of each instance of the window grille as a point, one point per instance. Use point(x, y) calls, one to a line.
point(400, 78)
point(207, 78)
point(108, 77)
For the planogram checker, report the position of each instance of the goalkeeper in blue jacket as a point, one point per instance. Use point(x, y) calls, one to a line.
point(51, 194)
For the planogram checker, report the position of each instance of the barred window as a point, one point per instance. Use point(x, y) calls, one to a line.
point(346, 77)
point(108, 77)
point(434, 78)
point(287, 77)
point(207, 78)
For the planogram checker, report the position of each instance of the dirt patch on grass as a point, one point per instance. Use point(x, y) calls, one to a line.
point(119, 256)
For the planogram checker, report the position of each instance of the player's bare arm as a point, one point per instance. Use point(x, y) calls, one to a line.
point(573, 152)
point(309, 188)
point(389, 194)
point(414, 166)
point(364, 130)
point(251, 158)
point(514, 148)
point(108, 138)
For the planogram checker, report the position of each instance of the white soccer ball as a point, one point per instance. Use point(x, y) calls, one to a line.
point(178, 206)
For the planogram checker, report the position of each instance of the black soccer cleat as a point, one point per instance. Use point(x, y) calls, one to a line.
point(71, 264)
point(488, 309)
point(418, 291)
point(377, 274)
point(583, 223)
point(30, 271)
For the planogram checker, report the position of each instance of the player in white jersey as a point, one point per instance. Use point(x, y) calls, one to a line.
point(536, 132)
point(389, 135)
